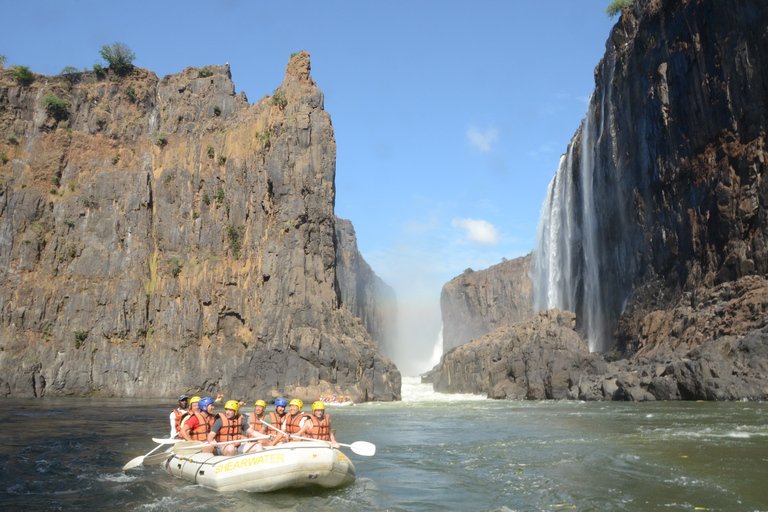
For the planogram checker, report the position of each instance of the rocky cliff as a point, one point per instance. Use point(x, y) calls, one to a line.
point(166, 236)
point(365, 294)
point(476, 303)
point(663, 184)
point(655, 227)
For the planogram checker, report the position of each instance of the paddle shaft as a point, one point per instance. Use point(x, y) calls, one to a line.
point(359, 447)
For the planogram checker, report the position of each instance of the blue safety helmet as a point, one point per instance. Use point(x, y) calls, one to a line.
point(280, 401)
point(204, 403)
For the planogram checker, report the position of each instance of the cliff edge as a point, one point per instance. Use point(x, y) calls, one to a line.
point(164, 236)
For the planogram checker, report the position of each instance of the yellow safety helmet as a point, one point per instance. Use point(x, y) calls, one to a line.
point(297, 403)
point(234, 405)
point(318, 405)
point(261, 403)
point(194, 400)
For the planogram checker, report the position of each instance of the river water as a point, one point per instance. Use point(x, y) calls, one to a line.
point(434, 452)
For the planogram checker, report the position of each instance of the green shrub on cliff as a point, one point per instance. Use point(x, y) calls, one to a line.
point(119, 56)
point(616, 7)
point(70, 73)
point(22, 74)
point(205, 72)
point(3, 158)
point(235, 236)
point(56, 107)
point(3, 60)
point(279, 99)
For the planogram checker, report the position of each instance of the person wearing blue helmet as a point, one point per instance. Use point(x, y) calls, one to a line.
point(275, 418)
point(198, 426)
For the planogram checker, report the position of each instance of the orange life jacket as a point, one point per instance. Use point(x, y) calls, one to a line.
point(292, 423)
point(179, 416)
point(204, 424)
point(230, 429)
point(275, 420)
point(321, 428)
point(255, 423)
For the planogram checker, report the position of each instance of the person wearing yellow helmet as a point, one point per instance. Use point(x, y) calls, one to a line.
point(177, 414)
point(319, 426)
point(256, 423)
point(293, 422)
point(229, 426)
point(191, 410)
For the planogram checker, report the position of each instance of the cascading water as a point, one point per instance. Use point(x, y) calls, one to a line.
point(580, 262)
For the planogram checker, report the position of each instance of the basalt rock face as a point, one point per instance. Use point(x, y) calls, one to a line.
point(656, 224)
point(166, 236)
point(365, 294)
point(542, 358)
point(692, 115)
point(476, 303)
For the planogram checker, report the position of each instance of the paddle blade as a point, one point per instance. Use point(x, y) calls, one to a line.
point(138, 461)
point(157, 458)
point(166, 440)
point(363, 448)
point(188, 447)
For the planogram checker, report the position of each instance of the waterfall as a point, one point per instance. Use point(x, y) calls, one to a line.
point(582, 262)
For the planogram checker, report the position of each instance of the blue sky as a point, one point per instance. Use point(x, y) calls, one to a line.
point(450, 117)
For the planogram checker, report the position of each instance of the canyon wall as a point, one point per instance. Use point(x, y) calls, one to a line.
point(475, 303)
point(166, 236)
point(365, 294)
point(654, 230)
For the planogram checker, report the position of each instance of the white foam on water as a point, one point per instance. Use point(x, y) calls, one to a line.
point(166, 502)
point(114, 477)
point(414, 391)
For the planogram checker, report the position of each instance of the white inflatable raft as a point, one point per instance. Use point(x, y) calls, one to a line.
point(289, 465)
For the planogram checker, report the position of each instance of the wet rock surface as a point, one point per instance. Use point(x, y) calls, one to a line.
point(169, 237)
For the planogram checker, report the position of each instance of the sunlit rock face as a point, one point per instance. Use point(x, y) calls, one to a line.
point(477, 302)
point(167, 236)
point(662, 195)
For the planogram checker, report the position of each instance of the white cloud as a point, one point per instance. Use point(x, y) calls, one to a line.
point(482, 140)
point(479, 231)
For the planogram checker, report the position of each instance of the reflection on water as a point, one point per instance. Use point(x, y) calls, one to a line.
point(435, 452)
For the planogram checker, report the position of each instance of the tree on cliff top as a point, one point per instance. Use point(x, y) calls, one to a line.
point(119, 56)
point(616, 7)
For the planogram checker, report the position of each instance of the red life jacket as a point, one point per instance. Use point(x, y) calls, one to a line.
point(230, 429)
point(292, 423)
point(321, 428)
point(204, 424)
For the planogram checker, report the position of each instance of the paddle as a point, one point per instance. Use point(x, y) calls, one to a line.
point(363, 448)
point(191, 447)
point(166, 440)
point(138, 461)
point(158, 458)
